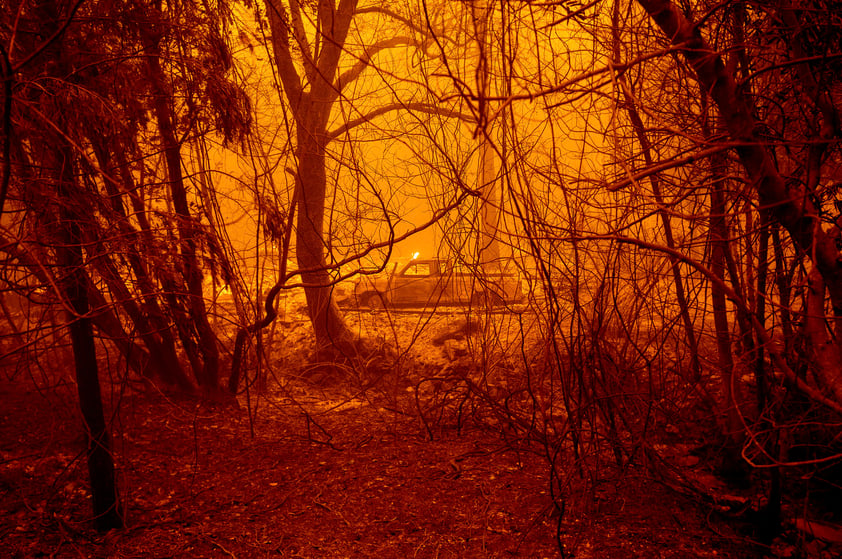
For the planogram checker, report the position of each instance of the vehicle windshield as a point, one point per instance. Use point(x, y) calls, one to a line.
point(417, 269)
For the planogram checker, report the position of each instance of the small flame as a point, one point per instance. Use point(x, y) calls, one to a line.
point(415, 255)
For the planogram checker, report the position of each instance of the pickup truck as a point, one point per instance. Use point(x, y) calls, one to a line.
point(434, 282)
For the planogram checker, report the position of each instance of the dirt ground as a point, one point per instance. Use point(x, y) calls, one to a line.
point(197, 483)
point(313, 468)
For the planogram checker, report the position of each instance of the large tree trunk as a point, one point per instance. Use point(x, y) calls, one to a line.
point(311, 109)
point(488, 249)
point(106, 504)
point(328, 324)
point(792, 206)
point(729, 379)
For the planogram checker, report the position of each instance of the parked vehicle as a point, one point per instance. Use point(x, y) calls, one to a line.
point(434, 282)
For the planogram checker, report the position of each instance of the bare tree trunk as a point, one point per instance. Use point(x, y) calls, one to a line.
point(793, 209)
point(783, 281)
point(646, 148)
point(825, 352)
point(488, 250)
point(311, 110)
point(790, 205)
point(208, 373)
point(761, 382)
point(328, 324)
point(106, 504)
point(728, 379)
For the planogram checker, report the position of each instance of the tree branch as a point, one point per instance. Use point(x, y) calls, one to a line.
point(793, 208)
point(58, 32)
point(418, 107)
point(365, 60)
point(762, 335)
point(335, 23)
point(301, 38)
point(283, 56)
point(666, 165)
point(380, 9)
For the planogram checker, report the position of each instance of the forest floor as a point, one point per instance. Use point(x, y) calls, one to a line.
point(313, 467)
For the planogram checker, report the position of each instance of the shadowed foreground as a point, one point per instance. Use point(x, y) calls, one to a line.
point(354, 481)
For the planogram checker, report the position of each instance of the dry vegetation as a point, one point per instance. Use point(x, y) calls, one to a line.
point(189, 191)
point(427, 456)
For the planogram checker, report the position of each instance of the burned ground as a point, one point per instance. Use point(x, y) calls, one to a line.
point(405, 460)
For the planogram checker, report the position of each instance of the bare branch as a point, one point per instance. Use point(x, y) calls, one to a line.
point(56, 34)
point(666, 165)
point(740, 303)
point(380, 9)
point(418, 107)
point(365, 60)
point(335, 24)
point(558, 88)
point(301, 38)
point(792, 208)
point(283, 56)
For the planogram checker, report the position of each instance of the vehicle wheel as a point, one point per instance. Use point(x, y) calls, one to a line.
point(372, 300)
point(485, 299)
point(478, 300)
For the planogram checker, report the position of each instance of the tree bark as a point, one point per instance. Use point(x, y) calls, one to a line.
point(791, 206)
point(328, 324)
point(311, 110)
point(488, 251)
point(729, 379)
point(106, 503)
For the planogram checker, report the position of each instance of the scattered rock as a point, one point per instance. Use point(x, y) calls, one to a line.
point(457, 330)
